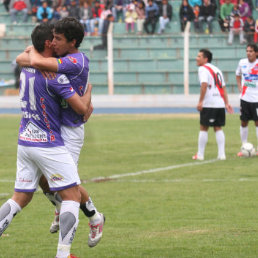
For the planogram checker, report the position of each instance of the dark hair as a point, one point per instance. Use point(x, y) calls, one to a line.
point(206, 54)
point(253, 46)
point(40, 34)
point(71, 28)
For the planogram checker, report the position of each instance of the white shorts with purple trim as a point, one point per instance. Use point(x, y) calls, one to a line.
point(56, 164)
point(73, 139)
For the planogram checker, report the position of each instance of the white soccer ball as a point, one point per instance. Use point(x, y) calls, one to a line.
point(248, 149)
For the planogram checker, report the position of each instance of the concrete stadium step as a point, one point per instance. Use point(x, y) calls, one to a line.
point(20, 42)
point(23, 29)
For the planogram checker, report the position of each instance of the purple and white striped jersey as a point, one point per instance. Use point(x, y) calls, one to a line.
point(40, 96)
point(76, 68)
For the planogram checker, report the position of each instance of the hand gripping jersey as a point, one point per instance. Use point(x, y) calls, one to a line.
point(76, 68)
point(249, 73)
point(211, 75)
point(40, 96)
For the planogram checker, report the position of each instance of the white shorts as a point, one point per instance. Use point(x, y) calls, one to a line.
point(56, 164)
point(73, 139)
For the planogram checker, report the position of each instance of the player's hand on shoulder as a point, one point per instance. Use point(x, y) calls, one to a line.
point(28, 49)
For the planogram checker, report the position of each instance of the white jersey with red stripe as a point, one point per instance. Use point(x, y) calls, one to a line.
point(249, 73)
point(211, 75)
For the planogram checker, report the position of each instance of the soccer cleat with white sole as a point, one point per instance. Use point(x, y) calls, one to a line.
point(96, 232)
point(55, 224)
point(196, 157)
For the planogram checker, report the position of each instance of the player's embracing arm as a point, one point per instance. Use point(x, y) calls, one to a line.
point(31, 57)
point(60, 84)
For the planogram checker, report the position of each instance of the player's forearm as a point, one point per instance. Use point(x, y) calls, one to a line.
point(43, 63)
point(78, 105)
point(23, 59)
point(225, 96)
point(239, 85)
point(203, 91)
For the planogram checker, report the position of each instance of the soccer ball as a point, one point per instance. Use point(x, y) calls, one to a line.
point(248, 149)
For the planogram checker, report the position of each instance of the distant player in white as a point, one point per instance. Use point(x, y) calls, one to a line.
point(212, 102)
point(247, 82)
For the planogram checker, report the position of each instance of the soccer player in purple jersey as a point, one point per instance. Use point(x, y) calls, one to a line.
point(41, 148)
point(68, 35)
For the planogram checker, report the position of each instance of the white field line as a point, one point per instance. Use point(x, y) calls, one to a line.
point(4, 194)
point(154, 170)
point(212, 180)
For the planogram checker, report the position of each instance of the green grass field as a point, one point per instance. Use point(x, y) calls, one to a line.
point(198, 210)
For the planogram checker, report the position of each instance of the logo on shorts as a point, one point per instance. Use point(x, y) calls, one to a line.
point(56, 177)
point(212, 120)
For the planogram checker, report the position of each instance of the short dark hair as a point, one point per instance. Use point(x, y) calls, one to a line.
point(253, 46)
point(40, 34)
point(206, 54)
point(71, 28)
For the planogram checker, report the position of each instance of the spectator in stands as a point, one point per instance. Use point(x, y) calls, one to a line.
point(63, 12)
point(130, 17)
point(193, 3)
point(86, 18)
point(250, 4)
point(165, 15)
point(19, 6)
point(44, 13)
point(256, 32)
point(6, 5)
point(234, 11)
point(236, 27)
point(56, 14)
point(96, 12)
point(207, 14)
point(249, 29)
point(151, 14)
point(103, 45)
point(244, 10)
point(118, 9)
point(225, 11)
point(140, 10)
point(74, 10)
point(196, 11)
point(186, 14)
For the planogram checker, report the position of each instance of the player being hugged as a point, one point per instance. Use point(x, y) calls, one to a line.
point(212, 103)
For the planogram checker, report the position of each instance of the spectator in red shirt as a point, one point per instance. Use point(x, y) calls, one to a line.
point(17, 6)
point(236, 27)
point(96, 13)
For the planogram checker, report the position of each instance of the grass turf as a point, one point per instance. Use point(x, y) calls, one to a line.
point(207, 210)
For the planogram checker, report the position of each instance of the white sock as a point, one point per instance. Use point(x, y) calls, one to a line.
point(7, 212)
point(244, 134)
point(256, 129)
point(220, 138)
point(91, 207)
point(69, 220)
point(202, 140)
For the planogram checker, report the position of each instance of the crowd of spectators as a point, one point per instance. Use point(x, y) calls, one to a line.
point(233, 16)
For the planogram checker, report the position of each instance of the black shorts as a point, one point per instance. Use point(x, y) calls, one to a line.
point(248, 111)
point(212, 117)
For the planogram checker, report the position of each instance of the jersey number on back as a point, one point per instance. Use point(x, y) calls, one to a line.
point(32, 99)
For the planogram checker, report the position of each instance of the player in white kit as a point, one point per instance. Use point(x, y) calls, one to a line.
point(212, 103)
point(247, 82)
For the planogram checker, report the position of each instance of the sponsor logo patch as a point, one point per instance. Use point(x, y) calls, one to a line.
point(32, 133)
point(62, 79)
